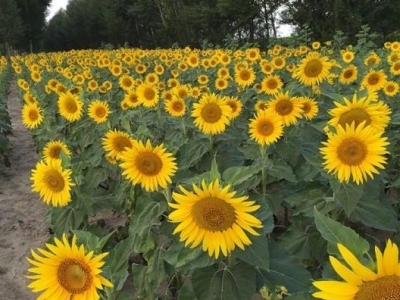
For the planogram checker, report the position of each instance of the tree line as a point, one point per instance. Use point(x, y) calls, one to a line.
point(196, 23)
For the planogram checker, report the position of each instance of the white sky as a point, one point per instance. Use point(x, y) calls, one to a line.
point(55, 6)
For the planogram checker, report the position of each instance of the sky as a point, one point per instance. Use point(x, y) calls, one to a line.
point(55, 5)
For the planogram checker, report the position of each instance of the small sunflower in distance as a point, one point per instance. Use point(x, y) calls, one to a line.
point(313, 69)
point(176, 107)
point(214, 217)
point(70, 107)
point(31, 115)
point(360, 282)
point(236, 106)
point(285, 106)
point(65, 271)
point(52, 182)
point(266, 127)
point(98, 111)
point(115, 142)
point(271, 84)
point(354, 152)
point(309, 106)
point(53, 149)
point(211, 114)
point(151, 167)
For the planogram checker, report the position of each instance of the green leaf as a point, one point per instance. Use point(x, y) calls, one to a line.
point(281, 170)
point(285, 271)
point(237, 175)
point(186, 291)
point(334, 233)
point(348, 195)
point(65, 219)
point(214, 169)
point(192, 152)
point(235, 283)
point(255, 254)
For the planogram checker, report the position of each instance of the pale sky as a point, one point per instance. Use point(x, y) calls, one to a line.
point(55, 6)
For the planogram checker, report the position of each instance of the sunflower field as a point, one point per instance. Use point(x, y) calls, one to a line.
point(5, 121)
point(215, 173)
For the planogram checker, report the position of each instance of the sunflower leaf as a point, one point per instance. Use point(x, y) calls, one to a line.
point(336, 233)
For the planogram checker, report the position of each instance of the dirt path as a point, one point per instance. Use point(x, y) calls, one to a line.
point(22, 225)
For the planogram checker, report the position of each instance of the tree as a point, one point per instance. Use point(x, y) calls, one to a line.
point(11, 28)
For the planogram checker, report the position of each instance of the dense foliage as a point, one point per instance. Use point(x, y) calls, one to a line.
point(5, 121)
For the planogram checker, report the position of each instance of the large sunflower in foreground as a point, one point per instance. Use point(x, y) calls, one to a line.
point(358, 110)
point(53, 149)
point(52, 182)
point(360, 282)
point(266, 127)
point(70, 106)
point(31, 115)
point(151, 167)
point(313, 69)
point(211, 114)
point(98, 111)
point(115, 142)
point(65, 271)
point(214, 217)
point(354, 151)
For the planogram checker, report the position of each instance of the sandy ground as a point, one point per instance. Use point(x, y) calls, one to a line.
point(22, 225)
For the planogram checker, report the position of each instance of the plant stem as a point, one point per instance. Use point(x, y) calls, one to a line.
point(263, 175)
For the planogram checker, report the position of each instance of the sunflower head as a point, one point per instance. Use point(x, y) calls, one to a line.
point(98, 111)
point(115, 142)
point(66, 271)
point(176, 107)
point(31, 115)
point(313, 69)
point(213, 216)
point(266, 127)
point(70, 106)
point(286, 107)
point(53, 150)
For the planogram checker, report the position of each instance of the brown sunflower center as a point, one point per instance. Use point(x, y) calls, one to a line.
point(70, 105)
point(54, 181)
point(384, 288)
point(348, 74)
point(100, 112)
point(284, 107)
point(121, 142)
point(55, 151)
point(356, 115)
point(373, 79)
point(213, 214)
point(390, 88)
point(265, 128)
point(233, 106)
point(313, 68)
point(211, 113)
point(149, 94)
point(127, 83)
point(272, 84)
point(148, 163)
point(75, 276)
point(177, 106)
point(306, 107)
point(133, 98)
point(352, 151)
point(33, 115)
point(245, 75)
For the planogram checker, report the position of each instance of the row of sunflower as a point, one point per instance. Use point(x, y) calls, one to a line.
point(230, 172)
point(5, 121)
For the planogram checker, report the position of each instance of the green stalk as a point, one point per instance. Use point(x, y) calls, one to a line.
point(263, 175)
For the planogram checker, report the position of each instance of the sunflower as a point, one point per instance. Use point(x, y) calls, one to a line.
point(372, 59)
point(98, 111)
point(213, 216)
point(65, 271)
point(266, 127)
point(151, 167)
point(176, 107)
point(313, 69)
point(374, 80)
point(347, 56)
point(395, 68)
point(261, 105)
point(126, 82)
point(211, 114)
point(348, 75)
point(360, 110)
point(285, 106)
point(131, 99)
point(115, 142)
point(147, 94)
point(360, 282)
point(354, 151)
point(31, 115)
point(309, 107)
point(53, 149)
point(221, 84)
point(244, 76)
point(236, 106)
point(70, 107)
point(52, 182)
point(271, 84)
point(391, 88)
